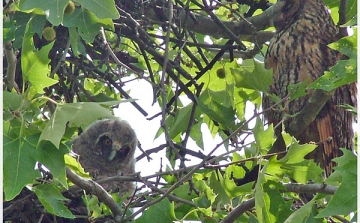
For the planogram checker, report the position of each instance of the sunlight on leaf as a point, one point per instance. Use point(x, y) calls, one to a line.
point(35, 65)
point(54, 9)
point(81, 114)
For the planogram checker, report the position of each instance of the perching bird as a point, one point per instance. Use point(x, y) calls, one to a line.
point(106, 148)
point(299, 53)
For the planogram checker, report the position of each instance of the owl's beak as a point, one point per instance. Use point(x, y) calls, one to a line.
point(115, 148)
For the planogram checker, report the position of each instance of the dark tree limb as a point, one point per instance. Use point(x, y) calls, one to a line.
point(205, 25)
point(308, 114)
point(95, 189)
point(342, 19)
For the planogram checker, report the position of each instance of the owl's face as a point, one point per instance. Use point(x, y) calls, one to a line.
point(107, 147)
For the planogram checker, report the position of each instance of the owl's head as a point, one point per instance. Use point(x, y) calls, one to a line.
point(110, 141)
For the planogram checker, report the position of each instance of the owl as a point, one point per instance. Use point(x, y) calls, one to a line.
point(106, 149)
point(298, 53)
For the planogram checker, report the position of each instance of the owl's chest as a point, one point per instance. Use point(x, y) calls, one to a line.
point(294, 59)
point(98, 165)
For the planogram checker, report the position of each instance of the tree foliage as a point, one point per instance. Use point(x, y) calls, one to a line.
point(210, 52)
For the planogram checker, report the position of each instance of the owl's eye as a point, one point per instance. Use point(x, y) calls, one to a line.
point(105, 142)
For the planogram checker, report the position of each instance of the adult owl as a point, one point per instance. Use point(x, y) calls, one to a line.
point(299, 53)
point(106, 148)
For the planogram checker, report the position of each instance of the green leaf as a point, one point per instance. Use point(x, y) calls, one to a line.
point(87, 23)
point(269, 204)
point(304, 214)
point(274, 167)
point(260, 199)
point(216, 183)
point(181, 120)
point(264, 138)
point(351, 8)
point(81, 114)
point(196, 134)
point(18, 159)
point(12, 100)
point(225, 116)
point(351, 22)
point(54, 9)
point(297, 152)
point(276, 208)
point(344, 200)
point(304, 171)
point(75, 166)
point(183, 192)
point(259, 79)
point(35, 65)
point(53, 200)
point(76, 45)
point(53, 159)
point(101, 8)
point(232, 190)
point(288, 139)
point(9, 28)
point(159, 212)
point(243, 95)
point(37, 24)
point(200, 185)
point(93, 205)
point(21, 19)
point(345, 71)
point(297, 90)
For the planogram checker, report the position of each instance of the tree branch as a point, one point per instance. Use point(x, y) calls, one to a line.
point(308, 114)
point(11, 68)
point(342, 19)
point(95, 189)
point(206, 26)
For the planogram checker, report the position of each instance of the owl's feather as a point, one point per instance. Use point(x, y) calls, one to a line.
point(106, 149)
point(299, 53)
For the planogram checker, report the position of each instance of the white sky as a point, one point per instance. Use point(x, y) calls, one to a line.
point(146, 130)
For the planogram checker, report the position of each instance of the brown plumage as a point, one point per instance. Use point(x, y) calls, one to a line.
point(106, 149)
point(299, 53)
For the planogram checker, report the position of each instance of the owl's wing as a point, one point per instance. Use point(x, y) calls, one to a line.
point(334, 124)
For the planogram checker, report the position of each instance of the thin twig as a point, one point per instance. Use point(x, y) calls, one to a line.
point(62, 59)
point(112, 54)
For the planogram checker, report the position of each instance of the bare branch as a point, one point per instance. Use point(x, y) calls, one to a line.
point(205, 25)
point(11, 68)
point(116, 59)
